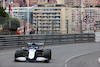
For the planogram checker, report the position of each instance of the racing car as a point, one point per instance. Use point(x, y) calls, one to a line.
point(33, 53)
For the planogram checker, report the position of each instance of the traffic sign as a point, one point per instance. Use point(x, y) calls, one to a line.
point(85, 19)
point(91, 20)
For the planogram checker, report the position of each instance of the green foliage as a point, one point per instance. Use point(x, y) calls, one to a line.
point(3, 15)
point(76, 6)
point(15, 23)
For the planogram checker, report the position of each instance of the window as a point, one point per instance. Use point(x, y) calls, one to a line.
point(40, 0)
point(59, 9)
point(44, 0)
point(13, 5)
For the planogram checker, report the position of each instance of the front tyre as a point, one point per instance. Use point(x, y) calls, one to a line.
point(47, 54)
point(18, 53)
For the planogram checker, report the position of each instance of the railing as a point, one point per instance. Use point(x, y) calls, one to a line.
point(22, 40)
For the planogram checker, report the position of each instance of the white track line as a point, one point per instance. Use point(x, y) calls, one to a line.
point(7, 53)
point(99, 60)
point(75, 57)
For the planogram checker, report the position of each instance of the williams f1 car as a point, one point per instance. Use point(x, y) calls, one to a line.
point(33, 53)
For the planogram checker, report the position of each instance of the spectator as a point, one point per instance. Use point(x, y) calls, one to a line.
point(32, 31)
point(17, 32)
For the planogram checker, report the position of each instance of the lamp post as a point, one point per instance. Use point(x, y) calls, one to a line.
point(24, 25)
point(4, 4)
point(81, 16)
point(9, 19)
point(28, 16)
point(67, 25)
point(37, 26)
point(52, 26)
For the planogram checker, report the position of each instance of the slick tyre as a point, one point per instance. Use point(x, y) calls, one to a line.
point(47, 53)
point(18, 53)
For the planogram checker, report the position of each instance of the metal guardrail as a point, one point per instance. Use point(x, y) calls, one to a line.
point(22, 40)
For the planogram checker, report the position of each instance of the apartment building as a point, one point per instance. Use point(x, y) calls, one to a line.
point(95, 14)
point(42, 1)
point(31, 2)
point(15, 4)
point(91, 13)
point(91, 2)
point(46, 1)
point(23, 3)
point(35, 2)
point(72, 2)
point(86, 3)
point(45, 17)
point(19, 12)
point(51, 19)
point(59, 1)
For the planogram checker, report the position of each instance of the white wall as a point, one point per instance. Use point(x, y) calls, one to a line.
point(97, 36)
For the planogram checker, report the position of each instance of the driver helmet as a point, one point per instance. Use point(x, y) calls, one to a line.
point(33, 44)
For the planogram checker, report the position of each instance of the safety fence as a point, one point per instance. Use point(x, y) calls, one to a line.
point(22, 40)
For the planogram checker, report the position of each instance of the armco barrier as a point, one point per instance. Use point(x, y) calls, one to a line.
point(22, 40)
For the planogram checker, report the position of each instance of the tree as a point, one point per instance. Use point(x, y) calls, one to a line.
point(3, 16)
point(15, 23)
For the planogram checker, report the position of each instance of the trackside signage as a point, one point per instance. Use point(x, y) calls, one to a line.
point(97, 36)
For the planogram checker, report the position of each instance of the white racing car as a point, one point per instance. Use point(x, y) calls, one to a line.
point(33, 53)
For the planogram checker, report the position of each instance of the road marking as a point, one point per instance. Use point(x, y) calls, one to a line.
point(79, 56)
point(1, 53)
point(75, 57)
point(7, 53)
point(99, 60)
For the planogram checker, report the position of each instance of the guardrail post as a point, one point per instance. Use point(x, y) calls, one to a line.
point(60, 39)
point(18, 41)
point(75, 38)
point(88, 37)
point(45, 39)
point(81, 37)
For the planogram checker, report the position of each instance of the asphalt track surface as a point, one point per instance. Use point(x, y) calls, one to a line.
point(87, 60)
point(60, 54)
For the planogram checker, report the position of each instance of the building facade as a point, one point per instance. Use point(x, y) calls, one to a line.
point(35, 2)
point(72, 3)
point(51, 19)
point(15, 4)
point(56, 18)
point(90, 13)
point(91, 2)
point(86, 3)
point(19, 12)
point(59, 1)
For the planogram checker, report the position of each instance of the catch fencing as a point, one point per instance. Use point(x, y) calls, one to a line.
point(22, 40)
